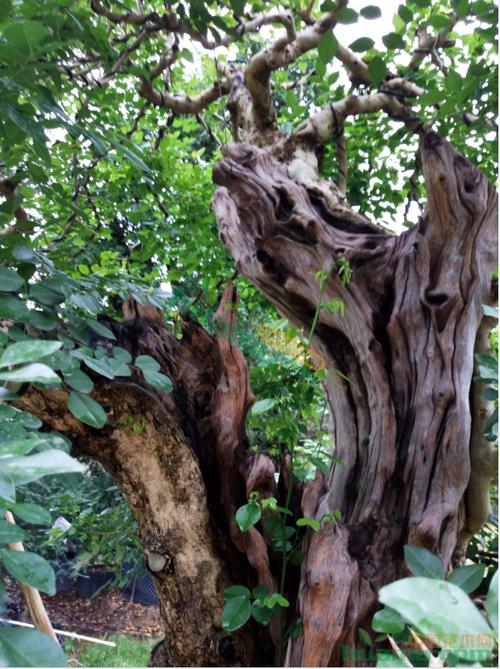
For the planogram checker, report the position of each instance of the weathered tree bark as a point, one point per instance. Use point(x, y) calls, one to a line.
point(402, 423)
point(182, 463)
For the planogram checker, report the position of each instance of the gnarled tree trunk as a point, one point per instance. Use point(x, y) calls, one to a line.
point(402, 422)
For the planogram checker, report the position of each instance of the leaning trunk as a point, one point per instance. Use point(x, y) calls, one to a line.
point(400, 363)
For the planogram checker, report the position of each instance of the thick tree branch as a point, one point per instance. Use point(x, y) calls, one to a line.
point(184, 104)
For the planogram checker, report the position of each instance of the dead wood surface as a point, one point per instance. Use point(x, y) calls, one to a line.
point(402, 423)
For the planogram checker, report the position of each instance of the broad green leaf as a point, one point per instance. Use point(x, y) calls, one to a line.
point(405, 13)
point(10, 281)
point(235, 613)
point(158, 380)
point(147, 363)
point(32, 513)
point(7, 488)
point(432, 98)
point(347, 15)
point(100, 329)
point(10, 533)
point(29, 648)
point(42, 320)
point(491, 604)
point(370, 12)
point(26, 351)
point(393, 41)
point(362, 44)
point(78, 380)
point(20, 445)
point(132, 156)
point(387, 621)
point(236, 591)
point(262, 406)
point(364, 636)
point(421, 562)
point(34, 373)
point(468, 577)
point(87, 410)
point(377, 69)
point(13, 308)
point(439, 609)
point(47, 293)
point(262, 614)
point(327, 46)
point(309, 522)
point(276, 600)
point(248, 515)
point(27, 468)
point(5, 9)
point(30, 568)
point(86, 301)
point(260, 591)
point(25, 35)
point(100, 366)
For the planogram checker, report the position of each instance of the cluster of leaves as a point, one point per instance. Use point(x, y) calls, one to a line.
point(439, 610)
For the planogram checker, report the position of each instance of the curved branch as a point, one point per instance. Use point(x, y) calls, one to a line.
point(281, 53)
point(184, 104)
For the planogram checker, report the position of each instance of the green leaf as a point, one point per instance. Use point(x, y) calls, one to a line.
point(10, 281)
point(7, 488)
point(238, 6)
point(439, 609)
point(421, 562)
point(20, 445)
point(10, 533)
point(260, 591)
point(235, 591)
point(387, 621)
point(468, 577)
point(86, 301)
point(347, 15)
point(405, 13)
point(235, 613)
point(393, 41)
point(309, 522)
point(158, 380)
point(100, 328)
point(30, 568)
point(364, 636)
point(132, 156)
point(32, 513)
point(100, 366)
point(87, 410)
point(388, 658)
point(432, 98)
point(276, 600)
point(29, 648)
point(13, 308)
point(370, 12)
point(27, 468)
point(34, 373)
point(248, 515)
point(46, 293)
point(5, 9)
point(262, 614)
point(491, 603)
point(362, 44)
point(26, 351)
point(25, 35)
point(377, 69)
point(78, 380)
point(327, 46)
point(262, 406)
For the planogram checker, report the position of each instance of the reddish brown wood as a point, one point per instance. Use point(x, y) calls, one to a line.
point(402, 423)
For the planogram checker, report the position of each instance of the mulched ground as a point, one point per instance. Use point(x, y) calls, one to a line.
point(104, 614)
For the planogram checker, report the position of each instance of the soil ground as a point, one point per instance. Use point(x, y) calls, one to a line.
point(104, 614)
